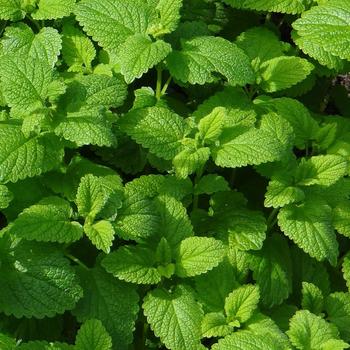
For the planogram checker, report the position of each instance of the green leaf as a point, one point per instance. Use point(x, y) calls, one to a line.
point(210, 184)
point(323, 32)
point(174, 223)
point(197, 255)
point(214, 286)
point(281, 192)
point(91, 197)
point(190, 160)
point(214, 325)
point(110, 23)
point(310, 227)
point(113, 302)
point(133, 264)
point(11, 10)
point(248, 341)
point(23, 157)
point(308, 331)
point(241, 304)
point(239, 108)
point(25, 81)
point(296, 114)
point(101, 90)
point(138, 217)
point(47, 221)
point(337, 306)
point(36, 281)
point(321, 170)
point(312, 298)
point(174, 317)
point(283, 6)
point(201, 57)
point(156, 128)
point(341, 218)
point(101, 234)
point(260, 44)
point(346, 271)
point(52, 9)
point(169, 12)
point(86, 127)
point(92, 335)
point(210, 127)
point(6, 197)
point(272, 270)
point(255, 146)
point(77, 49)
point(283, 72)
point(246, 229)
point(264, 326)
point(19, 40)
point(138, 54)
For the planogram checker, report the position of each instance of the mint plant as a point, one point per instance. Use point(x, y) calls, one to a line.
point(174, 174)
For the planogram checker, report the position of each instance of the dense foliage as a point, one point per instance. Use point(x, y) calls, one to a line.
point(174, 174)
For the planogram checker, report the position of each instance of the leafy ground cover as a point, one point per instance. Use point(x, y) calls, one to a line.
point(174, 174)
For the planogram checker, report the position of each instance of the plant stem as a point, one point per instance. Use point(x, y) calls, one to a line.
point(199, 175)
point(34, 22)
point(159, 83)
point(166, 85)
point(76, 260)
point(272, 219)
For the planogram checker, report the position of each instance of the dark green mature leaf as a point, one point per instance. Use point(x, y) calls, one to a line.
point(37, 280)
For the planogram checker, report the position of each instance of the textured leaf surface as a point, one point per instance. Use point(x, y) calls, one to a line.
point(248, 341)
point(203, 56)
point(52, 9)
point(190, 160)
point(297, 115)
point(113, 302)
point(255, 146)
point(86, 127)
point(197, 255)
point(341, 218)
point(11, 10)
point(20, 41)
point(214, 324)
point(25, 81)
point(5, 197)
point(36, 280)
point(337, 306)
point(284, 6)
point(310, 227)
point(156, 128)
point(48, 221)
point(169, 11)
point(23, 157)
point(308, 331)
point(138, 54)
point(272, 271)
point(281, 192)
point(77, 49)
point(312, 298)
point(241, 303)
point(91, 197)
point(101, 234)
point(321, 170)
point(93, 336)
point(110, 23)
point(323, 32)
point(260, 44)
point(133, 264)
point(175, 318)
point(283, 72)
